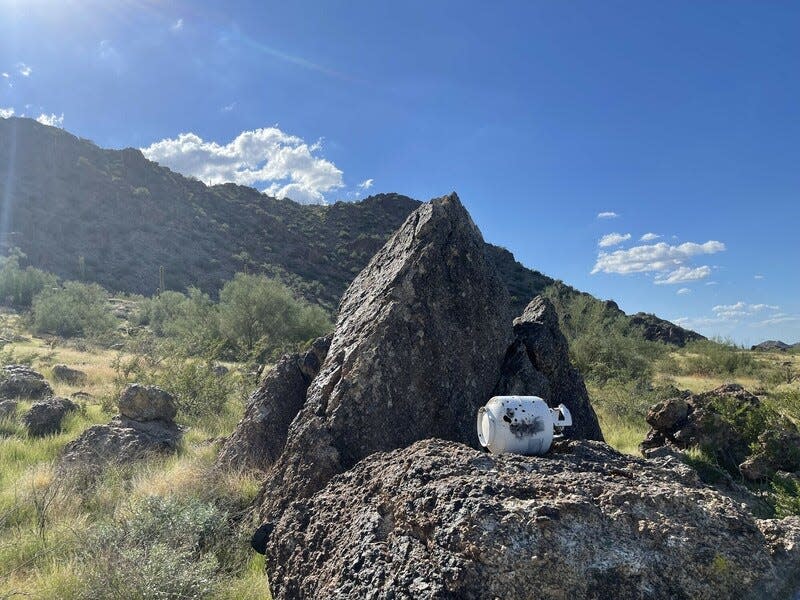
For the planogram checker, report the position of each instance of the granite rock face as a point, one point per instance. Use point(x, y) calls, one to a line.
point(440, 520)
point(417, 349)
point(260, 436)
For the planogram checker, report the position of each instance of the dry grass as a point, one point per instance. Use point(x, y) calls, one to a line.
point(43, 525)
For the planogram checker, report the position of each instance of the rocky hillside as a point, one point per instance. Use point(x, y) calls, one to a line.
point(113, 217)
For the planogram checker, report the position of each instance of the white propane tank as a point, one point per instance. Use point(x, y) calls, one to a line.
point(520, 424)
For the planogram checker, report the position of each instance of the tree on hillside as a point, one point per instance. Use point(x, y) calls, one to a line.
point(257, 311)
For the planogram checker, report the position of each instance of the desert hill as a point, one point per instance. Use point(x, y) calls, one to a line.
point(116, 218)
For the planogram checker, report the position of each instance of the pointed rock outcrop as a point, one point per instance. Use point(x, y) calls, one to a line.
point(417, 349)
point(260, 436)
point(538, 364)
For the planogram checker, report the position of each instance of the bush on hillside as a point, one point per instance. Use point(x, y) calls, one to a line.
point(257, 313)
point(18, 286)
point(192, 320)
point(72, 310)
point(717, 357)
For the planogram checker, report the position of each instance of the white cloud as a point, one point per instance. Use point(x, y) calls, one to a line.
point(607, 215)
point(742, 309)
point(24, 70)
point(758, 277)
point(285, 164)
point(613, 239)
point(649, 237)
point(660, 258)
point(5, 75)
point(776, 320)
point(52, 120)
point(684, 291)
point(6, 113)
point(177, 26)
point(229, 107)
point(682, 275)
point(366, 184)
point(711, 283)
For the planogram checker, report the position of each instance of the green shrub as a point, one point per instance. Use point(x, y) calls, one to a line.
point(74, 309)
point(163, 547)
point(709, 357)
point(200, 393)
point(192, 321)
point(18, 286)
point(257, 313)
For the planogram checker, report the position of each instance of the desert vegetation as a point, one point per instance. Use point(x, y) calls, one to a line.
point(168, 527)
point(174, 527)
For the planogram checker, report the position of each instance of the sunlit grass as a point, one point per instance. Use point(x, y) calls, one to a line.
point(44, 523)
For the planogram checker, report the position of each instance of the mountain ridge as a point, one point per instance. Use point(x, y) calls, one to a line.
point(116, 218)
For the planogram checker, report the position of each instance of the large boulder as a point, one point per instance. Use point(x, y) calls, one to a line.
point(147, 403)
point(68, 374)
point(416, 350)
point(120, 441)
point(20, 381)
point(538, 364)
point(45, 417)
point(260, 436)
point(440, 520)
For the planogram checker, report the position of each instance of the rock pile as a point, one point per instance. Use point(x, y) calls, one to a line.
point(417, 349)
point(144, 427)
point(440, 520)
point(728, 423)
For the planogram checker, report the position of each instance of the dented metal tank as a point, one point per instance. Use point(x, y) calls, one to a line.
point(520, 424)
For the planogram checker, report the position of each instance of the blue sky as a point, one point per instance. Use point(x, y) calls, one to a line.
point(680, 118)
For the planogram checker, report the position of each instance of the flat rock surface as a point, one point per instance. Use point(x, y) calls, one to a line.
point(441, 520)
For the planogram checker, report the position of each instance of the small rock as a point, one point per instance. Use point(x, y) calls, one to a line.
point(147, 403)
point(20, 381)
point(68, 374)
point(8, 408)
point(45, 417)
point(219, 370)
